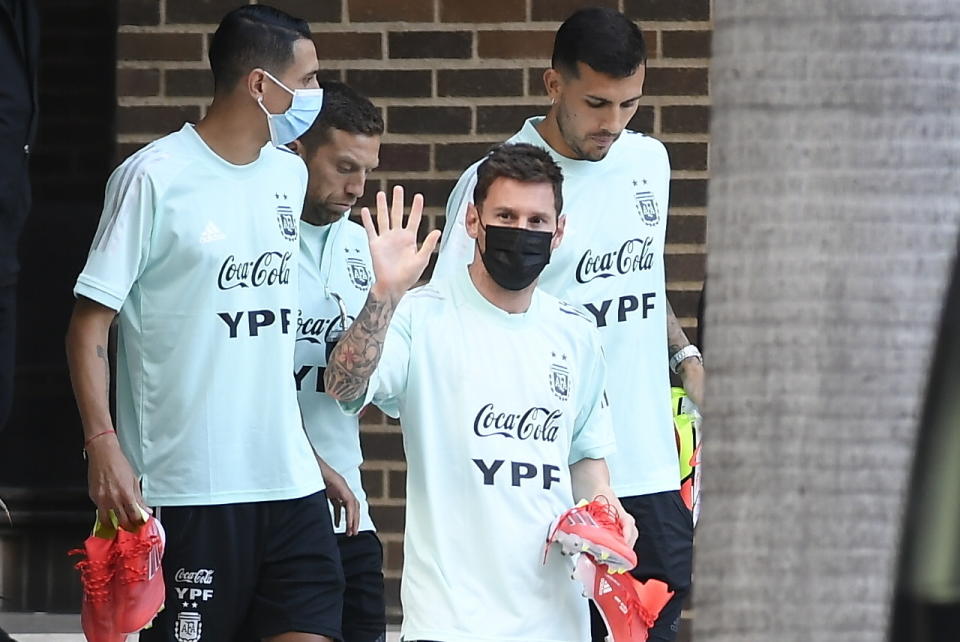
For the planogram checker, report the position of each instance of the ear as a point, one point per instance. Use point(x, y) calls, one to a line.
point(299, 148)
point(553, 83)
point(472, 221)
point(255, 81)
point(558, 236)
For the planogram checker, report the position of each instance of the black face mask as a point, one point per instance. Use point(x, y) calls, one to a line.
point(515, 257)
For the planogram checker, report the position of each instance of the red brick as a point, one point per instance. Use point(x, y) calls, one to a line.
point(310, 10)
point(159, 46)
point(428, 120)
point(671, 81)
point(154, 120)
point(486, 11)
point(138, 82)
point(515, 44)
point(458, 156)
point(688, 192)
point(136, 12)
point(685, 267)
point(388, 518)
point(189, 82)
point(667, 10)
point(372, 480)
point(686, 44)
point(394, 555)
point(506, 119)
point(380, 11)
point(382, 445)
point(398, 483)
point(691, 156)
point(200, 11)
point(393, 83)
point(685, 119)
point(348, 46)
point(480, 82)
point(686, 229)
point(402, 157)
point(535, 81)
point(684, 302)
point(560, 10)
point(435, 192)
point(430, 44)
point(642, 121)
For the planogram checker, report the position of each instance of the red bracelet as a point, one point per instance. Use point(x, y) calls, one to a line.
point(99, 434)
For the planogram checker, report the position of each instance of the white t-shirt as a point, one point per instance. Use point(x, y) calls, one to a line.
point(199, 256)
point(494, 408)
point(610, 262)
point(334, 260)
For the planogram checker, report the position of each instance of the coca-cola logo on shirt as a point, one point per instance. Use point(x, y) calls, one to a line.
point(540, 424)
point(200, 576)
point(309, 329)
point(270, 268)
point(635, 255)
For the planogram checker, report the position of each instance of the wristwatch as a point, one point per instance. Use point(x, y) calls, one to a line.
point(682, 354)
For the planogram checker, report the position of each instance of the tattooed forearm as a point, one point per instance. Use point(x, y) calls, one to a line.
point(358, 351)
point(102, 354)
point(676, 338)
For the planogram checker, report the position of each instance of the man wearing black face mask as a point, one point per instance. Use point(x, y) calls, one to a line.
point(494, 445)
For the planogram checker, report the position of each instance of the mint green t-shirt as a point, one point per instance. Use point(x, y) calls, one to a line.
point(334, 262)
point(610, 263)
point(199, 258)
point(494, 408)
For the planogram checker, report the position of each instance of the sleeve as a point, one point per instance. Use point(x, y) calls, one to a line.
point(456, 247)
point(593, 436)
point(121, 245)
point(388, 384)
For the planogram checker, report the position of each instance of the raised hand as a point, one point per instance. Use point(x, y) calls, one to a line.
point(397, 263)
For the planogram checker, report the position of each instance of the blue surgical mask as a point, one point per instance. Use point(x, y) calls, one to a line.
point(291, 124)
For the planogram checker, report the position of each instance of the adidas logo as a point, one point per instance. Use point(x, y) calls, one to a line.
point(604, 586)
point(211, 233)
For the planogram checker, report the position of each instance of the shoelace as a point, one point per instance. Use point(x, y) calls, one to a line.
point(137, 571)
point(604, 514)
point(95, 576)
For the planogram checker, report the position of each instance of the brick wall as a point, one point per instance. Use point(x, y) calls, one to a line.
point(452, 77)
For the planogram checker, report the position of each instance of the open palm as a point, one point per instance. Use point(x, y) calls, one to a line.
point(397, 263)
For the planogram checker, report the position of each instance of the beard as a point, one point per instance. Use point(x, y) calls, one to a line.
point(319, 213)
point(579, 146)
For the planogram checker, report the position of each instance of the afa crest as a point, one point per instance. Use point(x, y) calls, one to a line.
point(559, 378)
point(647, 208)
point(188, 627)
point(286, 219)
point(358, 273)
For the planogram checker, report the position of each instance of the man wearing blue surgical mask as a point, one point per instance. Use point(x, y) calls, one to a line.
point(196, 257)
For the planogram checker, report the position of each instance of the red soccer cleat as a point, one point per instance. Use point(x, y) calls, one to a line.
point(97, 571)
point(139, 588)
point(628, 607)
point(596, 529)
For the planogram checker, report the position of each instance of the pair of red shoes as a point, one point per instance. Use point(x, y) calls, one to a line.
point(628, 606)
point(122, 579)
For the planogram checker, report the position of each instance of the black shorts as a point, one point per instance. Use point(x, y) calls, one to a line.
point(364, 606)
point(249, 571)
point(664, 551)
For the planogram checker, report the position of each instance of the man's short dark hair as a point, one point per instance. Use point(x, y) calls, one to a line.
point(344, 109)
point(253, 36)
point(603, 39)
point(522, 162)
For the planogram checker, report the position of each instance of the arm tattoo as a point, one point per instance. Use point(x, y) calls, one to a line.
point(676, 338)
point(358, 352)
point(102, 354)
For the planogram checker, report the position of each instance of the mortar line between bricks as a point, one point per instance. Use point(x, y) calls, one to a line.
point(684, 286)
